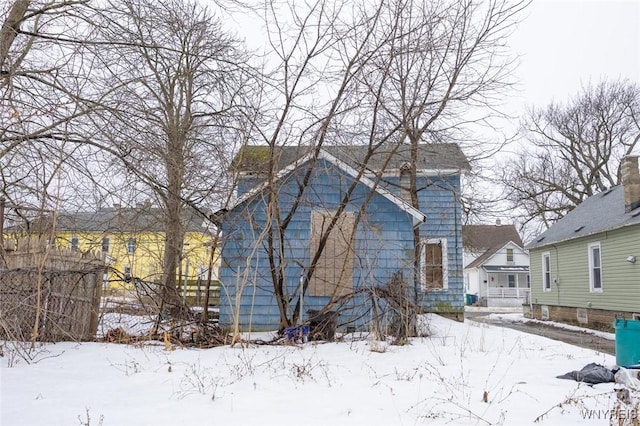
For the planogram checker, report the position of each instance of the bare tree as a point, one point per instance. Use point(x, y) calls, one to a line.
point(389, 74)
point(173, 84)
point(42, 84)
point(443, 60)
point(573, 151)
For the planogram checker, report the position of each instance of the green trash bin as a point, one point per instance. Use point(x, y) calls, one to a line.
point(627, 342)
point(468, 299)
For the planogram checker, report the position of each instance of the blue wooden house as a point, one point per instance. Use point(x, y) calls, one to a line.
point(349, 212)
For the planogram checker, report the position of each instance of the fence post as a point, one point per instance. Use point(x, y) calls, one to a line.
point(95, 303)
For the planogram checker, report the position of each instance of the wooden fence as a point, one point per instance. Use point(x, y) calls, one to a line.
point(195, 291)
point(48, 294)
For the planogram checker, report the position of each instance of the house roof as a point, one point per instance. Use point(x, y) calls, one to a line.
point(600, 212)
point(478, 237)
point(113, 220)
point(488, 254)
point(431, 157)
point(490, 238)
point(417, 216)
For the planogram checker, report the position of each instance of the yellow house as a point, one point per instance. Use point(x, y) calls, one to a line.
point(132, 243)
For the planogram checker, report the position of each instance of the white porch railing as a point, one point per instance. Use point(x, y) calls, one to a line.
point(508, 292)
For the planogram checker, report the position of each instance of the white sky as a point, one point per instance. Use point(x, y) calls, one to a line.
point(567, 44)
point(563, 45)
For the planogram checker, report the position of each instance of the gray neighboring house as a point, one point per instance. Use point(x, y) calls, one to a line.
point(496, 267)
point(586, 268)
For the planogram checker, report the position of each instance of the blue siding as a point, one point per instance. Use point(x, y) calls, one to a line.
point(438, 199)
point(383, 246)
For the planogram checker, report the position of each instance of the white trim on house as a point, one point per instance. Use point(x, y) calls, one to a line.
point(421, 172)
point(546, 271)
point(445, 263)
point(595, 286)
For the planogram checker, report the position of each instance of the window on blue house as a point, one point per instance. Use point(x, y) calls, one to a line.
point(333, 273)
point(433, 264)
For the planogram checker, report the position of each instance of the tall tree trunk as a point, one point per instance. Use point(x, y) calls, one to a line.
point(173, 227)
point(9, 31)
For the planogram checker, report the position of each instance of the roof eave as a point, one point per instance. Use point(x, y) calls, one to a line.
point(418, 218)
point(575, 237)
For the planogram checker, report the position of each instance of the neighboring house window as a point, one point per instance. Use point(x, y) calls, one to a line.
point(127, 273)
point(105, 244)
point(546, 271)
point(595, 268)
point(509, 255)
point(512, 280)
point(202, 272)
point(131, 245)
point(333, 274)
point(433, 264)
point(52, 242)
point(75, 243)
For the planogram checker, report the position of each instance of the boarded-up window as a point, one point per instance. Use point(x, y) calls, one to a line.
point(433, 264)
point(333, 274)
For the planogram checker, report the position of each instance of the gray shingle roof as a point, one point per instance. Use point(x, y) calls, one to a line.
point(430, 157)
point(114, 220)
point(475, 237)
point(601, 212)
point(490, 238)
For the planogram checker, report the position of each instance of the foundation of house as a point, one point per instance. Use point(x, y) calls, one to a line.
point(598, 319)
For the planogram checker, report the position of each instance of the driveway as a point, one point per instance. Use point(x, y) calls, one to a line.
point(577, 338)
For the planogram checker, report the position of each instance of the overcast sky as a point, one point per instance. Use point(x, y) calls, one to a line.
point(566, 44)
point(562, 45)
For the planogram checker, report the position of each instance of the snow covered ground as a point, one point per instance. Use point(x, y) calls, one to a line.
point(463, 374)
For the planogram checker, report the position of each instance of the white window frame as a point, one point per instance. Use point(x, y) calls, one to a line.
point(511, 254)
point(445, 264)
point(131, 245)
point(592, 267)
point(546, 271)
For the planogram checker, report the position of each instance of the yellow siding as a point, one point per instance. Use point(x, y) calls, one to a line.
point(146, 261)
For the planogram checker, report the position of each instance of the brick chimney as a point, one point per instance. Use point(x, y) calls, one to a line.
point(630, 182)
